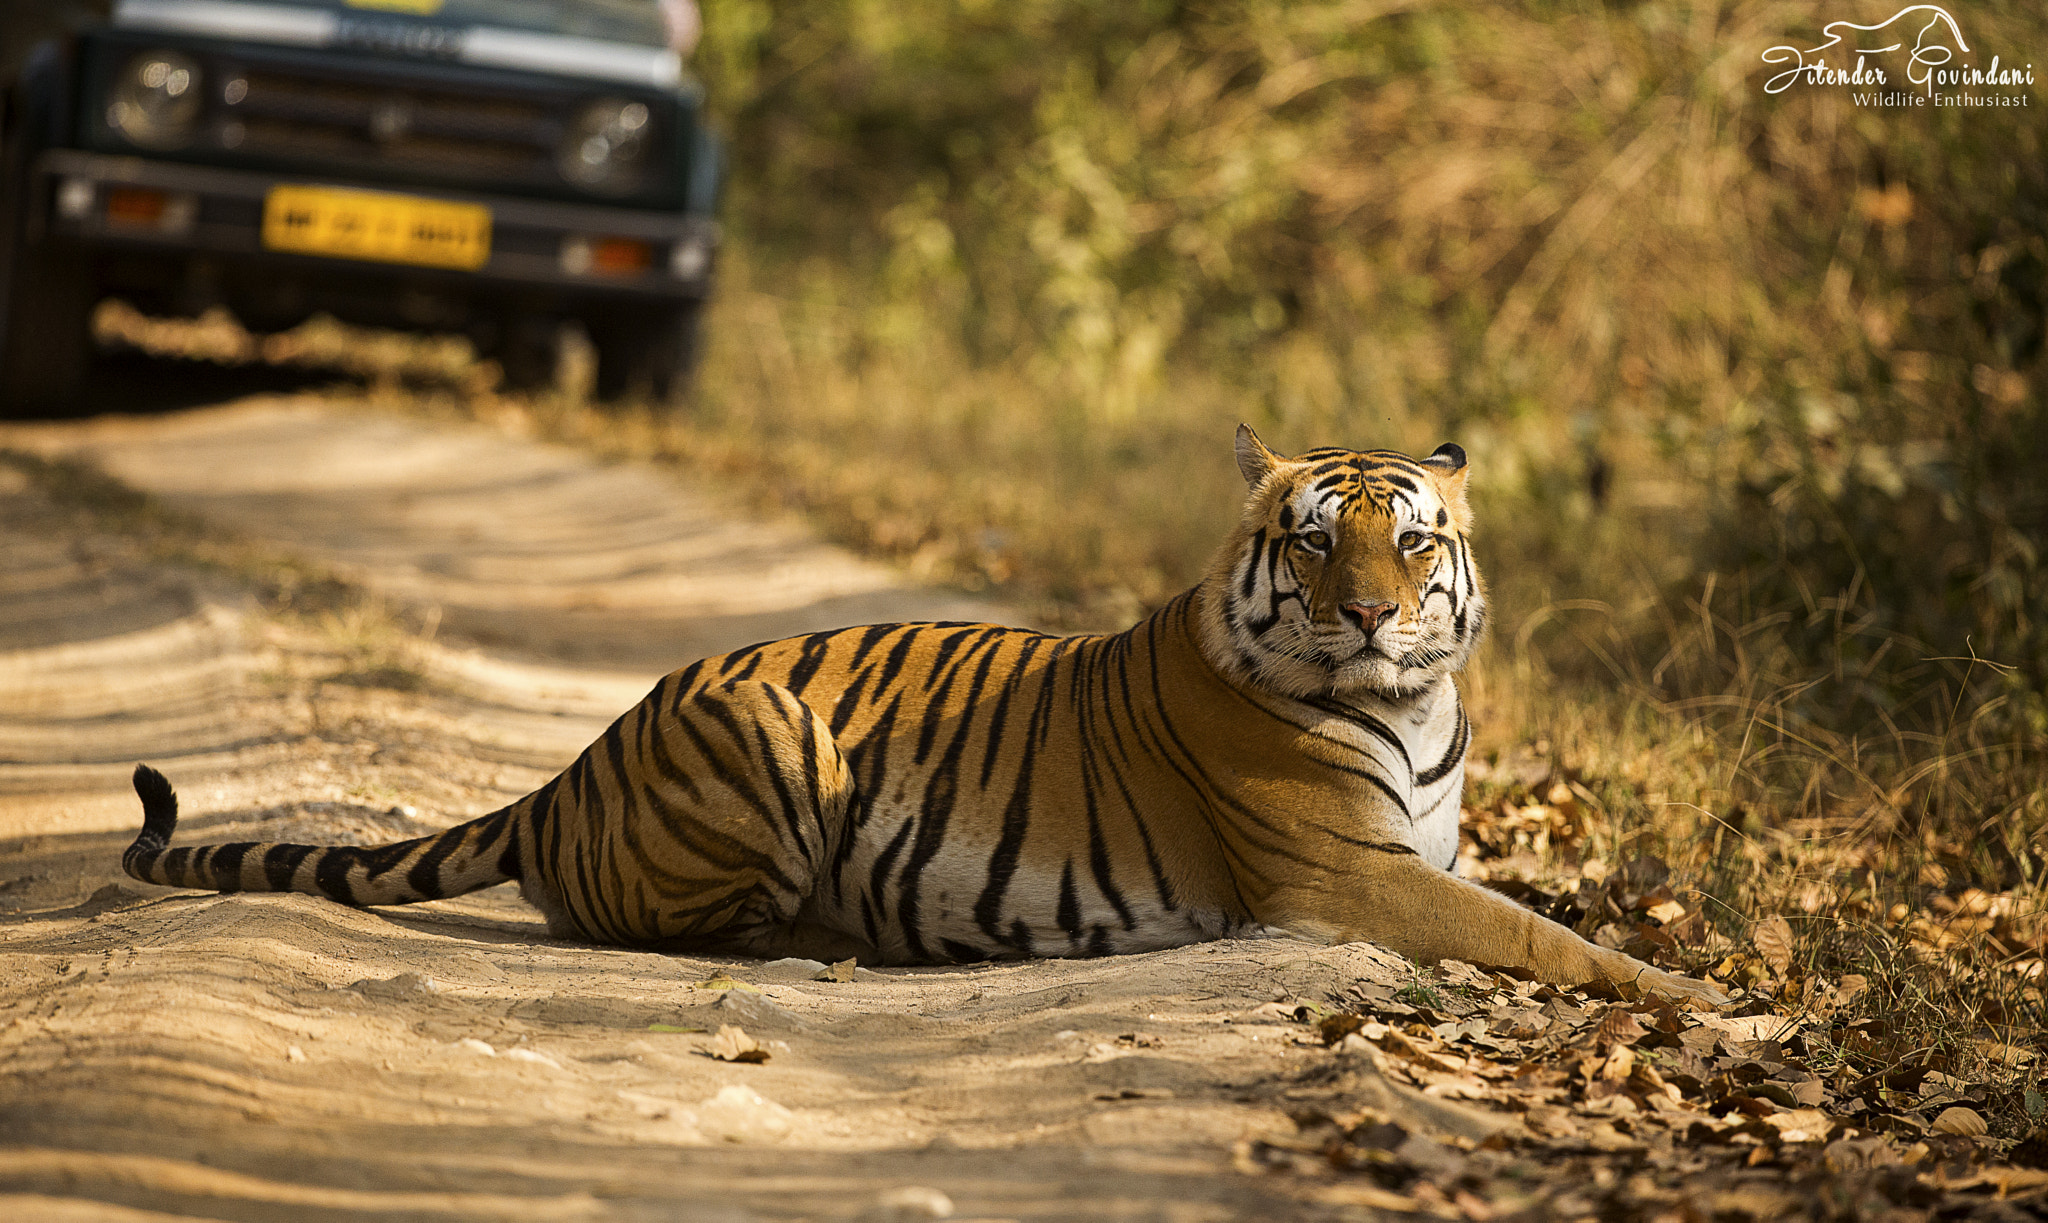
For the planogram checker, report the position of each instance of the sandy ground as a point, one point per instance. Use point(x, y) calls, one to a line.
point(166, 1053)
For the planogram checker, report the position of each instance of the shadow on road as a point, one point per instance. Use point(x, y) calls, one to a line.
point(127, 380)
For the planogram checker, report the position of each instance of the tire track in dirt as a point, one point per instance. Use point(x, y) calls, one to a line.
point(534, 549)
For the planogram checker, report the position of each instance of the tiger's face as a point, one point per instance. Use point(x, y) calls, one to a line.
point(1349, 570)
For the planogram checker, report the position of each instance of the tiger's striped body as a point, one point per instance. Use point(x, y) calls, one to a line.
point(1279, 750)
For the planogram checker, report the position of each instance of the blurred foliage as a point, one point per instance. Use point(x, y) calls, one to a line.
point(1797, 340)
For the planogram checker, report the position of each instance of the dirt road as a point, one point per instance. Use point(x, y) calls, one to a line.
point(263, 1057)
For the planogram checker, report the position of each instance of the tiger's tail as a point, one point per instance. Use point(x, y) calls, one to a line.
point(466, 857)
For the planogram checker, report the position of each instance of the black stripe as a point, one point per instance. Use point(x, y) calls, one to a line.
point(1453, 755)
point(568, 787)
point(948, 645)
point(936, 811)
point(503, 826)
point(1002, 864)
point(382, 859)
point(581, 898)
point(848, 703)
point(961, 953)
point(935, 699)
point(1069, 916)
point(1160, 882)
point(893, 662)
point(738, 658)
point(785, 801)
point(878, 878)
point(868, 760)
point(660, 753)
point(747, 672)
point(281, 865)
point(1091, 769)
point(1385, 847)
point(1251, 565)
point(1098, 863)
point(811, 756)
point(1378, 729)
point(870, 637)
point(999, 722)
point(736, 779)
point(425, 876)
point(813, 656)
point(330, 875)
point(226, 865)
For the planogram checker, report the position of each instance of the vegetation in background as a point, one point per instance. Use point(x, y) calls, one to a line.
point(1752, 386)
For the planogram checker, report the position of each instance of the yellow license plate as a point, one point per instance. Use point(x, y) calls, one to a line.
point(376, 225)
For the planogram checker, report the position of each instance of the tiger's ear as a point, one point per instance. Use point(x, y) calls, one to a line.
point(1448, 457)
point(1447, 463)
point(1254, 461)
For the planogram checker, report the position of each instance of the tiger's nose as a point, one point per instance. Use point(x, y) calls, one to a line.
point(1370, 615)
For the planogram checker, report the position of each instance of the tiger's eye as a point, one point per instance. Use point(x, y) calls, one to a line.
point(1411, 540)
point(1318, 540)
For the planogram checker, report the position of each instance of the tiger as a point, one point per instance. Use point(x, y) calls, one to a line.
point(1278, 751)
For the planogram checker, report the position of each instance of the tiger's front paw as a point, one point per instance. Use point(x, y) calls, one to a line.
point(1694, 994)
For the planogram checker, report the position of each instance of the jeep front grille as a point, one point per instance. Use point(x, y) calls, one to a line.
point(295, 118)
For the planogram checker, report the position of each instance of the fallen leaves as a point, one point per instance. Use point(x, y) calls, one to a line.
point(1801, 1125)
point(1617, 1026)
point(725, 981)
point(1772, 939)
point(1964, 1121)
point(1634, 1109)
point(734, 1045)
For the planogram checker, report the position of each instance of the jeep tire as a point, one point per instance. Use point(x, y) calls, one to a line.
point(654, 354)
point(46, 302)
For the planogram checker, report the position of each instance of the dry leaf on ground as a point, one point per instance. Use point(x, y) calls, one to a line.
point(734, 1045)
point(840, 972)
point(725, 981)
point(1772, 939)
point(1959, 1120)
point(1618, 1027)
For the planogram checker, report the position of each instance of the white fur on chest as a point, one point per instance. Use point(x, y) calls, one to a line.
point(1427, 726)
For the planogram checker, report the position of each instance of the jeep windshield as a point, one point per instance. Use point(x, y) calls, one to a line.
point(623, 40)
point(634, 21)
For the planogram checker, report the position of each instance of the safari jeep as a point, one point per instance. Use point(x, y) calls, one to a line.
point(493, 167)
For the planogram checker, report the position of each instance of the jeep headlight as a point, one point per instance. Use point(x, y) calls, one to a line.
point(605, 146)
point(156, 99)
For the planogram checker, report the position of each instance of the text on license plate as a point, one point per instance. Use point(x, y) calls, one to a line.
point(376, 225)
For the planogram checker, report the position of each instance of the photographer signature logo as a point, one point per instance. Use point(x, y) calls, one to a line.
point(1933, 63)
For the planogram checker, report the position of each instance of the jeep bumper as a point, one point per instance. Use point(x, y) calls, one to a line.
point(159, 223)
